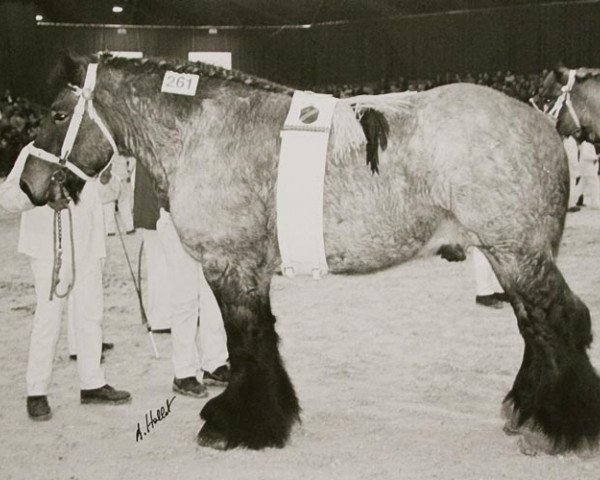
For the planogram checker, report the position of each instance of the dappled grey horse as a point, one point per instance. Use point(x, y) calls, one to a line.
point(457, 166)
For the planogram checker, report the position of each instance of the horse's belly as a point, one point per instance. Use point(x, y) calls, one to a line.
point(377, 240)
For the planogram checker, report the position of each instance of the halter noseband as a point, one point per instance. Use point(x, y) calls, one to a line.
point(565, 99)
point(85, 95)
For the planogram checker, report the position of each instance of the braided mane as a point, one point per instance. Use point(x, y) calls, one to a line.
point(160, 65)
point(584, 73)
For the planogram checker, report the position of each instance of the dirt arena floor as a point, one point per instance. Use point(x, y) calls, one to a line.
point(400, 376)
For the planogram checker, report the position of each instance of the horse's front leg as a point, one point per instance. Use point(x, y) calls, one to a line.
point(259, 405)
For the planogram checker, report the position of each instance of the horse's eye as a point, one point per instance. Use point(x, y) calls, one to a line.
point(59, 116)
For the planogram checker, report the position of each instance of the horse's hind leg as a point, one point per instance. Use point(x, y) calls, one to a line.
point(259, 405)
point(555, 399)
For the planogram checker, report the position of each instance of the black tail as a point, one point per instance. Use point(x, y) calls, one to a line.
point(376, 129)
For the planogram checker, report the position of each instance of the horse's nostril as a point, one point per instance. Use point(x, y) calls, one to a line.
point(25, 187)
point(27, 190)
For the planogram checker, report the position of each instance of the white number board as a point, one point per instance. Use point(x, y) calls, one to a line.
point(179, 83)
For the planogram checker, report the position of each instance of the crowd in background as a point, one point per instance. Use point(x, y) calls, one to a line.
point(19, 118)
point(522, 87)
point(19, 123)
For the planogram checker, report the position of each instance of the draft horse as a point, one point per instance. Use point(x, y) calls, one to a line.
point(580, 87)
point(464, 166)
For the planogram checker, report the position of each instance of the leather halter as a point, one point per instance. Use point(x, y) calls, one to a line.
point(84, 103)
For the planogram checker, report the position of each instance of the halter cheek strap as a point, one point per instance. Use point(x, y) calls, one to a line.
point(84, 103)
point(565, 99)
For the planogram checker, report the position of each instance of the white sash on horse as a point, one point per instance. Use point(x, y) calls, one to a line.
point(301, 175)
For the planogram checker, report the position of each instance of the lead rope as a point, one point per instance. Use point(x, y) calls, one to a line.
point(57, 261)
point(137, 285)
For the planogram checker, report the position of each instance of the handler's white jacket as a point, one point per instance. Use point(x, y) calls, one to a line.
point(35, 236)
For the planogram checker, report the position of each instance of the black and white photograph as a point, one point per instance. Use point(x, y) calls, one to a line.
point(300, 239)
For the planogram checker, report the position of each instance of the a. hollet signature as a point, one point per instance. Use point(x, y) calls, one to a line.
point(152, 418)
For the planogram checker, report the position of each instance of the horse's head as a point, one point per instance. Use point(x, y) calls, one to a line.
point(576, 97)
point(71, 146)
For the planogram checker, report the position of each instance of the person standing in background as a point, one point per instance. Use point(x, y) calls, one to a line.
point(590, 184)
point(572, 150)
point(488, 292)
point(145, 216)
point(191, 303)
point(110, 188)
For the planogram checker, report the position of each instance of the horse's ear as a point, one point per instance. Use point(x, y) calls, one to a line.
point(73, 68)
point(68, 69)
point(561, 72)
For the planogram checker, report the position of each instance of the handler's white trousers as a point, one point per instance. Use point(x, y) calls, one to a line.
point(590, 184)
point(572, 151)
point(191, 298)
point(87, 310)
point(486, 282)
point(158, 308)
point(110, 224)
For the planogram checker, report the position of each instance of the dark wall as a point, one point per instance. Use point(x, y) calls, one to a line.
point(18, 51)
point(525, 39)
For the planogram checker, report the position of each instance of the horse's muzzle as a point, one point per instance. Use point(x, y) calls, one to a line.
point(27, 190)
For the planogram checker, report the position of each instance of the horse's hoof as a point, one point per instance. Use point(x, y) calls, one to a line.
point(207, 437)
point(527, 448)
point(534, 442)
point(510, 429)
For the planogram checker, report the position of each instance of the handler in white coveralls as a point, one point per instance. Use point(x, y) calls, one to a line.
point(145, 215)
point(36, 241)
point(588, 165)
point(488, 291)
point(572, 150)
point(109, 190)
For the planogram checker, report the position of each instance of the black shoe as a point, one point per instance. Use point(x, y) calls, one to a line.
point(130, 232)
point(105, 346)
point(218, 377)
point(501, 296)
point(161, 330)
point(573, 209)
point(74, 357)
point(488, 301)
point(190, 386)
point(38, 408)
point(105, 394)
